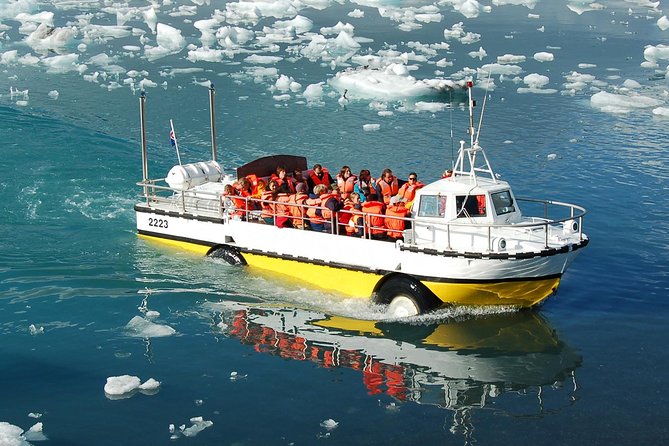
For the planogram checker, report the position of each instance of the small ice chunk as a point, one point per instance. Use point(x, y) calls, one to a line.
point(630, 83)
point(35, 415)
point(663, 23)
point(615, 103)
point(199, 424)
point(152, 314)
point(551, 156)
point(150, 384)
point(536, 80)
point(35, 433)
point(356, 14)
point(171, 428)
point(371, 127)
point(234, 376)
point(53, 94)
point(121, 385)
point(480, 54)
point(143, 328)
point(329, 424)
point(313, 93)
point(544, 56)
point(34, 330)
point(661, 111)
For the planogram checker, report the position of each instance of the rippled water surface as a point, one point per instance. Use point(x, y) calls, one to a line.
point(269, 362)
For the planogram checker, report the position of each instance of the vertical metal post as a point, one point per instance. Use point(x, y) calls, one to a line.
point(546, 226)
point(145, 161)
point(212, 117)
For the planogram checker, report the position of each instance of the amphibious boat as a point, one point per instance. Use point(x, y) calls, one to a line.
point(465, 241)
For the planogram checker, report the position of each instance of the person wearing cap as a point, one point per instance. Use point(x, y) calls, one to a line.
point(295, 203)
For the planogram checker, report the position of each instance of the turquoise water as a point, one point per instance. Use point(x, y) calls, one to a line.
point(269, 362)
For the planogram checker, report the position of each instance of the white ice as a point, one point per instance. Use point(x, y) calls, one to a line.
point(143, 328)
point(199, 424)
point(329, 424)
point(258, 59)
point(53, 94)
point(544, 56)
point(149, 384)
point(663, 23)
point(527, 3)
point(11, 435)
point(170, 41)
point(510, 59)
point(313, 93)
point(480, 54)
point(46, 37)
point(356, 14)
point(617, 103)
point(661, 111)
point(393, 82)
point(371, 127)
point(121, 385)
point(35, 433)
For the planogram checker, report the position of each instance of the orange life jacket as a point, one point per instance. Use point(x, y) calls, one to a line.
point(388, 190)
point(346, 186)
point(326, 212)
point(254, 183)
point(296, 210)
point(279, 182)
point(267, 209)
point(282, 209)
point(374, 217)
point(312, 212)
point(395, 226)
point(317, 181)
point(408, 191)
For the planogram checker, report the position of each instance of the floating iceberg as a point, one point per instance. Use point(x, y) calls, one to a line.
point(617, 103)
point(143, 328)
point(390, 83)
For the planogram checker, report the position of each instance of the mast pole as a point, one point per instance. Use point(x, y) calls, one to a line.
point(470, 84)
point(145, 160)
point(212, 117)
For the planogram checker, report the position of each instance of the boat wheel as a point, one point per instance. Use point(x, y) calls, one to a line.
point(229, 254)
point(406, 297)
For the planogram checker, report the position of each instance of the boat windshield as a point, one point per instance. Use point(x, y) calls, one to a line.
point(432, 206)
point(503, 202)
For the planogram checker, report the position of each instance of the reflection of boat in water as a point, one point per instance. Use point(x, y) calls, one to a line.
point(458, 365)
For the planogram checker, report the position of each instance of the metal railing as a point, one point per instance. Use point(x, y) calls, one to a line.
point(279, 213)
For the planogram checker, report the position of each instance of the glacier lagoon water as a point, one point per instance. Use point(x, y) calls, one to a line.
point(269, 362)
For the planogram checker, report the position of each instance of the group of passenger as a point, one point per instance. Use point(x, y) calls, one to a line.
point(359, 204)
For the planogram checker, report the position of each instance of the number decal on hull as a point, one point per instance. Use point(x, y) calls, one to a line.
point(158, 223)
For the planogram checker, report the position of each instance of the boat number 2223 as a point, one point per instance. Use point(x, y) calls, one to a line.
point(157, 222)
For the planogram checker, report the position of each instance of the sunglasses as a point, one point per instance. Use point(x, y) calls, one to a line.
point(412, 178)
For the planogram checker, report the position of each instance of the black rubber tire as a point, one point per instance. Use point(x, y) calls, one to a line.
point(229, 254)
point(423, 298)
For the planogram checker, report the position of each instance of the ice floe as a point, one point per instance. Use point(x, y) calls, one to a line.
point(371, 127)
point(661, 111)
point(11, 435)
point(124, 386)
point(35, 330)
point(329, 424)
point(198, 425)
point(169, 40)
point(544, 56)
point(663, 23)
point(618, 103)
point(390, 83)
point(144, 328)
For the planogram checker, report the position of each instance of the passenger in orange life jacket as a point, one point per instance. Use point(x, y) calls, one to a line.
point(365, 184)
point(268, 209)
point(407, 192)
point(374, 221)
point(322, 216)
point(346, 182)
point(319, 176)
point(447, 173)
point(352, 218)
point(259, 189)
point(298, 178)
point(297, 213)
point(284, 185)
point(388, 186)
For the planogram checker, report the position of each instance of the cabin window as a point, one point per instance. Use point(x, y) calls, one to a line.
point(432, 206)
point(503, 202)
point(470, 206)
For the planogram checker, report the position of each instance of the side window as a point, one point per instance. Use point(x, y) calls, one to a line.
point(503, 202)
point(470, 206)
point(432, 206)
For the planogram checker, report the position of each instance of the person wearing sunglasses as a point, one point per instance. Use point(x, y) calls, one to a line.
point(407, 192)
